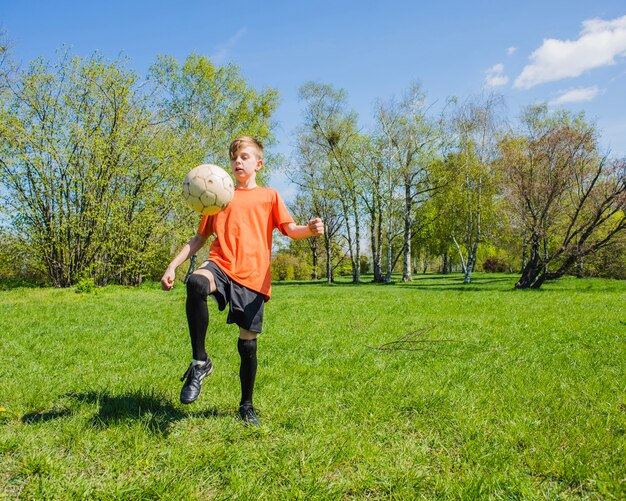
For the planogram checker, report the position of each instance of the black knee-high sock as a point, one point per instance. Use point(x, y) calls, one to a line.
point(197, 313)
point(247, 370)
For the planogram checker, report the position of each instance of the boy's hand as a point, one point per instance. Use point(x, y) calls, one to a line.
point(167, 281)
point(316, 226)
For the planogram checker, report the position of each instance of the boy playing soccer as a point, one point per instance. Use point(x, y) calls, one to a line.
point(237, 273)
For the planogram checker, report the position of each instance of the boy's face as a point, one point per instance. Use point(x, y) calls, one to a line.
point(246, 164)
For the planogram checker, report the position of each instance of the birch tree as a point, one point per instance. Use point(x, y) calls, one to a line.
point(476, 124)
point(333, 129)
point(412, 142)
point(376, 196)
point(318, 196)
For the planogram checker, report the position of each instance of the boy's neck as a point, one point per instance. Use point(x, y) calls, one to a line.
point(246, 186)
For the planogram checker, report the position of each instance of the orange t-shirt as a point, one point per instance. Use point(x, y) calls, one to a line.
point(243, 247)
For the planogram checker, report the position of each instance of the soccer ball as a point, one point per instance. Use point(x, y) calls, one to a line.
point(208, 189)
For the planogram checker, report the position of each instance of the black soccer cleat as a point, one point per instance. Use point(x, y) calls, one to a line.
point(248, 415)
point(193, 381)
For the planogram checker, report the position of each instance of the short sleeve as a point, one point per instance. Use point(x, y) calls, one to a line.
point(206, 226)
point(280, 213)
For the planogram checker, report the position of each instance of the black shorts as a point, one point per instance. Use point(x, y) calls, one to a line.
point(245, 305)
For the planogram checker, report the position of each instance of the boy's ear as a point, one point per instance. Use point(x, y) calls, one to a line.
point(259, 164)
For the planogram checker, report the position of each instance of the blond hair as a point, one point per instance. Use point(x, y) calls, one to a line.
point(242, 142)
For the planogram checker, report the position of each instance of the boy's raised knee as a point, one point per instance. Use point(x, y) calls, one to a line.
point(198, 284)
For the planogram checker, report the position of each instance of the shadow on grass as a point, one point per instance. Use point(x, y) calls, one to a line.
point(299, 282)
point(150, 410)
point(456, 284)
point(7, 284)
point(481, 282)
point(42, 417)
point(449, 282)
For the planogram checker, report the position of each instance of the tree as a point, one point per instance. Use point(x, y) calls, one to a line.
point(332, 129)
point(70, 135)
point(441, 213)
point(319, 196)
point(411, 140)
point(207, 106)
point(203, 107)
point(570, 199)
point(303, 209)
point(476, 125)
point(91, 158)
point(375, 196)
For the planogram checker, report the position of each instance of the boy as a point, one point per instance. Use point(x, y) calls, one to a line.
point(238, 270)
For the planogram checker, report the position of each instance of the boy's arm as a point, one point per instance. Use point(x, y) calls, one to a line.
point(313, 228)
point(190, 248)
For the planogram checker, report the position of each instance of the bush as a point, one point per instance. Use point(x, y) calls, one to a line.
point(85, 286)
point(609, 262)
point(302, 270)
point(17, 261)
point(495, 265)
point(344, 268)
point(286, 266)
point(283, 266)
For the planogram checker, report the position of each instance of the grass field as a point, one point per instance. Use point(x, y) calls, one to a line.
point(424, 390)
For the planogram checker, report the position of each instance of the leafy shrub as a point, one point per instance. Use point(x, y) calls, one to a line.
point(302, 270)
point(17, 261)
point(283, 267)
point(286, 266)
point(85, 286)
point(608, 262)
point(495, 265)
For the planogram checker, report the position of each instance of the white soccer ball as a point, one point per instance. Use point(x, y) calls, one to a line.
point(208, 189)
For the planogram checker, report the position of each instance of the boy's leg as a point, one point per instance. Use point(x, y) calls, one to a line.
point(247, 345)
point(199, 285)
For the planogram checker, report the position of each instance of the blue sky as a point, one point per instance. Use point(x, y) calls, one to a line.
point(569, 53)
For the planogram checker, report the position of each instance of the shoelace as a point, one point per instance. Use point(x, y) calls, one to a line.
point(189, 370)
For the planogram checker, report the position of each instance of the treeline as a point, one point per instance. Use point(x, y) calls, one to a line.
point(92, 155)
point(426, 183)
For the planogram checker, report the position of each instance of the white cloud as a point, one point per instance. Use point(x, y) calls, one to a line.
point(495, 76)
point(599, 44)
point(577, 95)
point(511, 50)
point(225, 48)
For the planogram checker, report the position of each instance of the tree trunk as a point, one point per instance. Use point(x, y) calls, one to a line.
point(545, 255)
point(406, 264)
point(458, 248)
point(375, 260)
point(378, 269)
point(471, 263)
point(533, 268)
point(389, 257)
point(356, 264)
point(389, 247)
point(329, 264)
point(314, 257)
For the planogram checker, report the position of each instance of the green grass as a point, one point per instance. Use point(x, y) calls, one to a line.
point(430, 389)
